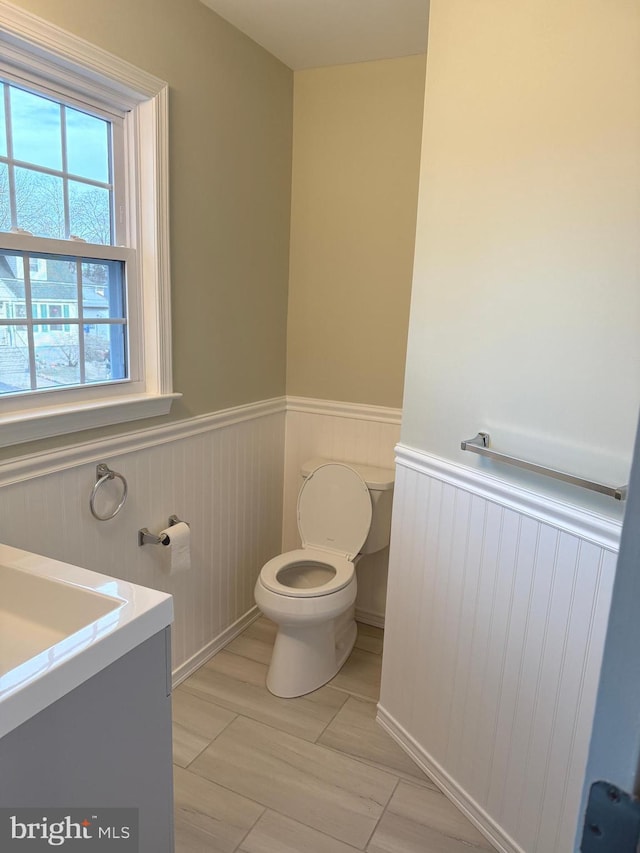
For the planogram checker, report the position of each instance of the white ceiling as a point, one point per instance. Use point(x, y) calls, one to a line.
point(312, 33)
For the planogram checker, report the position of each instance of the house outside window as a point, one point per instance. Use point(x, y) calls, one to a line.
point(90, 348)
point(83, 235)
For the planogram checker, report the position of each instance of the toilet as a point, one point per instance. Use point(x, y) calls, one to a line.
point(344, 511)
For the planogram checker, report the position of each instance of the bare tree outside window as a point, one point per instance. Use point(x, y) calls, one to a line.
point(41, 207)
point(5, 210)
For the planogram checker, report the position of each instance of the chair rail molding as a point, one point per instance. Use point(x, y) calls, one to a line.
point(589, 526)
point(40, 464)
point(339, 409)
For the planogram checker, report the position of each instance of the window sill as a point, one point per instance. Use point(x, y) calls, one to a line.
point(19, 427)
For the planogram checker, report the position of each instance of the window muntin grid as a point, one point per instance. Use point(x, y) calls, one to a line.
point(56, 168)
point(63, 322)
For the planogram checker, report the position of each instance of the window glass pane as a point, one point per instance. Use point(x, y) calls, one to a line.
point(103, 289)
point(103, 296)
point(87, 146)
point(5, 210)
point(11, 286)
point(39, 203)
point(104, 352)
point(14, 340)
point(35, 127)
point(57, 321)
point(53, 282)
point(3, 126)
point(90, 213)
point(57, 356)
point(14, 360)
point(55, 312)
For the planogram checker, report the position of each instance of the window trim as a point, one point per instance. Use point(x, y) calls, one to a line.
point(71, 66)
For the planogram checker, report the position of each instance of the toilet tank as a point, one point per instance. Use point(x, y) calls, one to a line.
point(380, 482)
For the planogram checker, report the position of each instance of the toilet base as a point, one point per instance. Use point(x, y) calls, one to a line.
point(306, 657)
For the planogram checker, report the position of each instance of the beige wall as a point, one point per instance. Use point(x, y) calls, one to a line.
point(525, 315)
point(356, 156)
point(230, 150)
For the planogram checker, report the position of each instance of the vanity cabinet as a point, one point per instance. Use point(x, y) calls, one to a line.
point(106, 743)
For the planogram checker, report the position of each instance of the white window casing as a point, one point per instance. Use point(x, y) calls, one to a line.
point(70, 67)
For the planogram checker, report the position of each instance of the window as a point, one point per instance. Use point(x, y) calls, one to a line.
point(58, 181)
point(83, 235)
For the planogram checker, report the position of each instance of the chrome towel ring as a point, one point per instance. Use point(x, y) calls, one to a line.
point(104, 473)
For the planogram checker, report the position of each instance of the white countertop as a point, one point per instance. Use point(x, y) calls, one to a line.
point(60, 625)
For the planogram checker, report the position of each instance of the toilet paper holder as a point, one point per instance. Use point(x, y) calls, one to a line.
point(145, 537)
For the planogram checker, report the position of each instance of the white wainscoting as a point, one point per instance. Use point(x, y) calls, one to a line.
point(496, 619)
point(345, 432)
point(222, 473)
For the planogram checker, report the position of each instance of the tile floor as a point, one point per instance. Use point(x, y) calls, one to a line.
point(258, 774)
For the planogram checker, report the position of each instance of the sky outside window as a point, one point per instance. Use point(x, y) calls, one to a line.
point(35, 126)
point(36, 131)
point(47, 135)
point(87, 146)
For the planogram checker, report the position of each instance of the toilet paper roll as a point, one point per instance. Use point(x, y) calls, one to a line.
point(179, 545)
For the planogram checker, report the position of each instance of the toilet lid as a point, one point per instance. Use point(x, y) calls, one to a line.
point(334, 510)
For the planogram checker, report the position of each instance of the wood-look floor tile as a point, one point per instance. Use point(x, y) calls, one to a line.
point(360, 675)
point(195, 723)
point(395, 834)
point(238, 684)
point(419, 819)
point(191, 836)
point(208, 813)
point(256, 641)
point(186, 745)
point(355, 732)
point(251, 648)
point(241, 668)
point(275, 833)
point(370, 638)
point(262, 629)
point(309, 783)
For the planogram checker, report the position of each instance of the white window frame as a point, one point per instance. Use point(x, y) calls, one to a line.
point(68, 65)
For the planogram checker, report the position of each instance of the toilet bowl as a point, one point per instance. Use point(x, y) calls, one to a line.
point(310, 592)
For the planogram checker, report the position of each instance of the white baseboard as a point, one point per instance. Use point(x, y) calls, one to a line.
point(474, 812)
point(369, 618)
point(206, 652)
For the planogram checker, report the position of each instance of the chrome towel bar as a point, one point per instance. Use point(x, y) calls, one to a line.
point(480, 445)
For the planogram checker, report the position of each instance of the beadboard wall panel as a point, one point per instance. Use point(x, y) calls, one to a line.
point(344, 432)
point(226, 480)
point(496, 620)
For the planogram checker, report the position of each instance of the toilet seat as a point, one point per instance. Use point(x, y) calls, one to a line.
point(339, 569)
point(334, 517)
point(334, 510)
